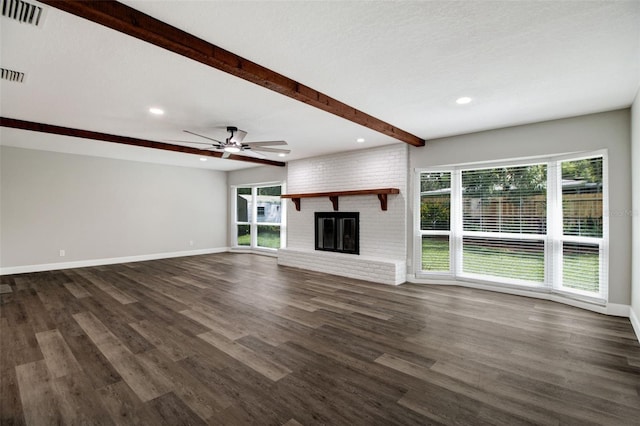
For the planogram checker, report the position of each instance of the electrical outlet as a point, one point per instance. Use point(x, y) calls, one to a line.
point(62, 253)
point(190, 242)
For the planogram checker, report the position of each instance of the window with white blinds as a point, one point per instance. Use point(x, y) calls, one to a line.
point(582, 237)
point(435, 221)
point(531, 224)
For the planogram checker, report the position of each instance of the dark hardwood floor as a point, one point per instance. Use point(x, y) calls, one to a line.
point(232, 339)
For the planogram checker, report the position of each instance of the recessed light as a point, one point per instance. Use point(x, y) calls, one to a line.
point(360, 140)
point(156, 111)
point(463, 100)
point(282, 154)
point(203, 159)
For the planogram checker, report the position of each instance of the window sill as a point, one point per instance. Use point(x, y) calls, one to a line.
point(592, 303)
point(256, 250)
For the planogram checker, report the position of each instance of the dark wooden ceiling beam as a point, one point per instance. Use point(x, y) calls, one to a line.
point(132, 22)
point(125, 140)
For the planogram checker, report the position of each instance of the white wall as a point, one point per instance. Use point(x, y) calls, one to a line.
point(635, 184)
point(257, 175)
point(610, 130)
point(383, 245)
point(98, 208)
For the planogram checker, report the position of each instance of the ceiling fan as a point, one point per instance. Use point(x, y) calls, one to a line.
point(233, 144)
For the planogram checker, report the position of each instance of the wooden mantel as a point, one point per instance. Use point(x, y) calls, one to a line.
point(333, 196)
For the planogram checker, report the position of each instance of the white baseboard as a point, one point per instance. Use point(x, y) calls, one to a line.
point(613, 309)
point(635, 323)
point(618, 310)
point(109, 261)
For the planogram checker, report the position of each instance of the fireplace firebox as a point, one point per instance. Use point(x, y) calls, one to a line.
point(338, 231)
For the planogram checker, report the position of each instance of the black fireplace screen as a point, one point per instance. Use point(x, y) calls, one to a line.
point(338, 231)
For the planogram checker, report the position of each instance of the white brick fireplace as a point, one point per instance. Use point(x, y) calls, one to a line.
point(383, 248)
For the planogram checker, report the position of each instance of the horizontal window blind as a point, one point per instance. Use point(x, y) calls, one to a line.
point(517, 259)
point(581, 266)
point(435, 253)
point(435, 201)
point(498, 201)
point(507, 199)
point(582, 185)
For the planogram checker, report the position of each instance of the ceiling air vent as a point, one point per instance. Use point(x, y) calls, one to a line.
point(22, 11)
point(11, 75)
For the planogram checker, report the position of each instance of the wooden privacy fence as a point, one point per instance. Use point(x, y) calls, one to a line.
point(582, 213)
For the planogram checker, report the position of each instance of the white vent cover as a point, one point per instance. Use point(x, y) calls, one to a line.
point(22, 11)
point(11, 75)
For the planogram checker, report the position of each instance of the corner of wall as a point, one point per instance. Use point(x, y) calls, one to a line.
point(635, 210)
point(635, 323)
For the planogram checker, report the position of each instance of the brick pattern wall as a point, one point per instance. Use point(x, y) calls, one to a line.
point(383, 245)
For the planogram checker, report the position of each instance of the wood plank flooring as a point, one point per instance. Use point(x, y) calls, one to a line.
point(231, 339)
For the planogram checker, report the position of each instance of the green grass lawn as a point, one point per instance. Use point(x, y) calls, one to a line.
point(268, 236)
point(580, 271)
point(504, 262)
point(435, 254)
point(244, 240)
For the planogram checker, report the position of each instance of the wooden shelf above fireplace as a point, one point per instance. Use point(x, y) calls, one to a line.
point(382, 194)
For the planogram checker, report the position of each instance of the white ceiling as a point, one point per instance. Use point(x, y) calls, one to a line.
point(403, 62)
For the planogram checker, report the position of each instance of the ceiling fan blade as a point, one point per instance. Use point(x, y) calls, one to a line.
point(253, 154)
point(265, 149)
point(202, 136)
point(238, 136)
point(226, 154)
point(265, 143)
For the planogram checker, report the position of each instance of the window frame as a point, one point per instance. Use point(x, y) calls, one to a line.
point(421, 233)
point(553, 238)
point(253, 218)
point(603, 243)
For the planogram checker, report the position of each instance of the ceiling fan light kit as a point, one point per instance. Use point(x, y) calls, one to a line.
point(232, 148)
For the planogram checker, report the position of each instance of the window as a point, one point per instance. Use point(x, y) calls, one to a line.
point(582, 223)
point(504, 222)
point(243, 216)
point(258, 217)
point(537, 224)
point(435, 220)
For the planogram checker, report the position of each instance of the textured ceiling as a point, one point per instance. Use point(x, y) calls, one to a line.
point(403, 62)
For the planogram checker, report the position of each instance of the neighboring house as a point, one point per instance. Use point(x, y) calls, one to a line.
point(267, 208)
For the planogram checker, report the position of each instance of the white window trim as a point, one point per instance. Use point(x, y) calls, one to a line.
point(233, 223)
point(554, 235)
